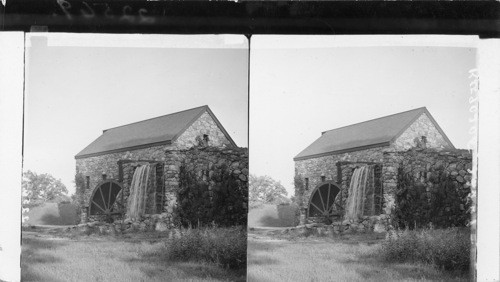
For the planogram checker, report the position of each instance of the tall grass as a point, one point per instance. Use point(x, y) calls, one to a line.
point(226, 247)
point(46, 258)
point(448, 249)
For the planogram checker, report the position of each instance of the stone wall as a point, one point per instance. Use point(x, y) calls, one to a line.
point(423, 126)
point(425, 164)
point(455, 163)
point(205, 163)
point(208, 165)
point(428, 162)
point(95, 167)
point(443, 179)
point(313, 169)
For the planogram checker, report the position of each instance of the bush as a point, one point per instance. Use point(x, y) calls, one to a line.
point(226, 247)
point(289, 214)
point(69, 213)
point(448, 249)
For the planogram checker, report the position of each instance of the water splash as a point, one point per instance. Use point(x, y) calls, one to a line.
point(360, 200)
point(139, 191)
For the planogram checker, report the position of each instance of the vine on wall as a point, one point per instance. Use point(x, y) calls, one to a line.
point(223, 204)
point(299, 186)
point(441, 204)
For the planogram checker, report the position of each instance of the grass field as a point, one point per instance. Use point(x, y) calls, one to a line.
point(104, 258)
point(349, 258)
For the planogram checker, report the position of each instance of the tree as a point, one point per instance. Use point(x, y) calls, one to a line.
point(40, 188)
point(264, 189)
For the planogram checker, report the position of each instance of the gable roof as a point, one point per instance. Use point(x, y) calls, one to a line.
point(369, 134)
point(157, 131)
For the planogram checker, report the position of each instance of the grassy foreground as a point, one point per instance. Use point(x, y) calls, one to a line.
point(104, 258)
point(349, 258)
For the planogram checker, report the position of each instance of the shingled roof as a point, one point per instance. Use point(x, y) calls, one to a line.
point(157, 131)
point(369, 134)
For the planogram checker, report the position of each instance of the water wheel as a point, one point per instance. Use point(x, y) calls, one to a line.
point(103, 199)
point(322, 201)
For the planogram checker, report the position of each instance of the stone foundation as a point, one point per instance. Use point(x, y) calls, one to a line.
point(377, 224)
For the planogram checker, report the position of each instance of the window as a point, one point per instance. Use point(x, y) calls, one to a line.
point(88, 181)
point(424, 141)
point(323, 178)
point(205, 138)
point(307, 183)
point(104, 176)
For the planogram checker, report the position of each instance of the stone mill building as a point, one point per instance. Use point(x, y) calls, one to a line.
point(191, 141)
point(410, 141)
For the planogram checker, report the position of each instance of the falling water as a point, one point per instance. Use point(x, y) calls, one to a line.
point(360, 199)
point(139, 192)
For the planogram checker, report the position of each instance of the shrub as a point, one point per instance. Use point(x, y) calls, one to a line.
point(68, 213)
point(289, 214)
point(226, 247)
point(448, 249)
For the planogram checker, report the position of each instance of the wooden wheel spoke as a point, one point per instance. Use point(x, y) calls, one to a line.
point(109, 194)
point(328, 197)
point(97, 205)
point(321, 198)
point(317, 207)
point(102, 196)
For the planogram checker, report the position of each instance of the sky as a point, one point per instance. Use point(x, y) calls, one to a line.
point(78, 85)
point(301, 86)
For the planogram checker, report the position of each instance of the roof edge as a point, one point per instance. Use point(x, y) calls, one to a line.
point(137, 147)
point(154, 118)
point(434, 122)
point(421, 108)
point(383, 144)
point(439, 129)
point(221, 127)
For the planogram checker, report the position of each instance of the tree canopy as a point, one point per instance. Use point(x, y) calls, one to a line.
point(40, 188)
point(264, 189)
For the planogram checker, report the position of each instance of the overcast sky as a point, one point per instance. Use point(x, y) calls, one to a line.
point(302, 86)
point(77, 85)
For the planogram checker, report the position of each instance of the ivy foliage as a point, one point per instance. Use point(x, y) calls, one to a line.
point(441, 204)
point(80, 189)
point(300, 188)
point(226, 204)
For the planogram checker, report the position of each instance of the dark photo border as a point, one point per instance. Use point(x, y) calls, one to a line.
point(253, 17)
